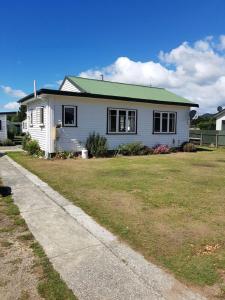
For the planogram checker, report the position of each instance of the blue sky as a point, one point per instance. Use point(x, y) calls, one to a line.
point(45, 40)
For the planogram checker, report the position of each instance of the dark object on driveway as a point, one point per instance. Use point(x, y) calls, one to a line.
point(5, 191)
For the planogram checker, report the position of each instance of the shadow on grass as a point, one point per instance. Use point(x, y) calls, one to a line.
point(204, 149)
point(5, 191)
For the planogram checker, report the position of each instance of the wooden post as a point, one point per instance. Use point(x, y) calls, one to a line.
point(216, 140)
point(201, 138)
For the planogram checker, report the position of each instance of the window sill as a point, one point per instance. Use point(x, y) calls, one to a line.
point(41, 125)
point(68, 126)
point(121, 133)
point(164, 133)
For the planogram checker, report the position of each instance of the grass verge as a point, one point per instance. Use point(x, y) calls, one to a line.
point(50, 285)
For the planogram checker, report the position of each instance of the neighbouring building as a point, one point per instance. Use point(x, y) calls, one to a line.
point(220, 120)
point(4, 124)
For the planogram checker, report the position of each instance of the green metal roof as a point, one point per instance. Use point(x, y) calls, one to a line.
point(117, 89)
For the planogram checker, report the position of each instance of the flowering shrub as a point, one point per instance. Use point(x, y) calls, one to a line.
point(161, 149)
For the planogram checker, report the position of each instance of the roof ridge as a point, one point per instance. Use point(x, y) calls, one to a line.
point(133, 84)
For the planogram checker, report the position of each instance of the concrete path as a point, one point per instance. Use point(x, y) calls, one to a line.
point(93, 263)
point(4, 149)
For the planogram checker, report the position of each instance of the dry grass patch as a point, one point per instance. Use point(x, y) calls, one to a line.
point(168, 207)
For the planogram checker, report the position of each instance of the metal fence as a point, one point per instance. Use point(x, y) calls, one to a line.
point(208, 137)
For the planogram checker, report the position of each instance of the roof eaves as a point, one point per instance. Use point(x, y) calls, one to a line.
point(219, 113)
point(8, 112)
point(67, 93)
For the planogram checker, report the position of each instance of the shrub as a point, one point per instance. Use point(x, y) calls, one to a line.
point(64, 155)
point(33, 147)
point(173, 149)
point(7, 142)
point(26, 139)
point(131, 148)
point(135, 148)
point(146, 150)
point(161, 149)
point(96, 145)
point(188, 147)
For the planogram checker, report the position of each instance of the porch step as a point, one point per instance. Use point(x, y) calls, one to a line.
point(18, 140)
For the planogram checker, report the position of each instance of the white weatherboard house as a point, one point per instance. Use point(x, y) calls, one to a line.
point(61, 120)
point(220, 120)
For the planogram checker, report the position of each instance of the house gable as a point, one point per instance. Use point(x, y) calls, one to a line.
point(67, 85)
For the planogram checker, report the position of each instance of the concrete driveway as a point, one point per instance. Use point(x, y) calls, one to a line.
point(93, 263)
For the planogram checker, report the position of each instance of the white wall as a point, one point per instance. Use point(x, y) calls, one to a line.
point(3, 131)
point(92, 116)
point(219, 121)
point(36, 131)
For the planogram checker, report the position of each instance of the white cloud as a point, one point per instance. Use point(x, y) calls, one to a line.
point(13, 93)
point(12, 106)
point(54, 85)
point(196, 72)
point(221, 45)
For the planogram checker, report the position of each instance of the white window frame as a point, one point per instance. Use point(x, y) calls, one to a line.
point(117, 121)
point(75, 115)
point(39, 113)
point(31, 118)
point(168, 122)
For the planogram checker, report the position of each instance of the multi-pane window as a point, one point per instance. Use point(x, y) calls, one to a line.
point(122, 120)
point(69, 116)
point(164, 122)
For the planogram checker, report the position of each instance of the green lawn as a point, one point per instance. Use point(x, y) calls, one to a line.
point(171, 208)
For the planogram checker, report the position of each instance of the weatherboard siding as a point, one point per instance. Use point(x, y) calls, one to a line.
point(3, 130)
point(219, 121)
point(92, 116)
point(68, 86)
point(37, 132)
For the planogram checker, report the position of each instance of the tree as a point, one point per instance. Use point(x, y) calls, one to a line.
point(205, 122)
point(21, 115)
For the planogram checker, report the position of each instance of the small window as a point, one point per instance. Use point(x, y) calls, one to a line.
point(41, 115)
point(164, 122)
point(122, 120)
point(69, 116)
point(30, 117)
point(0, 125)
